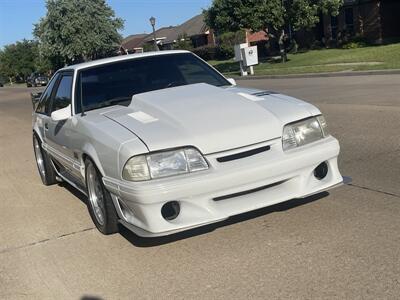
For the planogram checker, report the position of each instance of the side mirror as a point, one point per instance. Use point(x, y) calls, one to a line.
point(61, 114)
point(232, 81)
point(35, 97)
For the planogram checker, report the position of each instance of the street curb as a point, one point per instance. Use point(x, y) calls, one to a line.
point(316, 75)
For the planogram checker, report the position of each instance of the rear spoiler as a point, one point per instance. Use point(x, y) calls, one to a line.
point(35, 97)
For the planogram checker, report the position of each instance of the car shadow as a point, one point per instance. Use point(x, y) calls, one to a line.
point(78, 194)
point(157, 241)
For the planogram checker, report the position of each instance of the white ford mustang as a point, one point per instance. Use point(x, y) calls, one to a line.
point(162, 142)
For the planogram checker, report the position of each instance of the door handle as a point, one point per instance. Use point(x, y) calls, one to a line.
point(46, 126)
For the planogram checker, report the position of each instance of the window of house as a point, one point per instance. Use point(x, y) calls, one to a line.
point(349, 19)
point(334, 27)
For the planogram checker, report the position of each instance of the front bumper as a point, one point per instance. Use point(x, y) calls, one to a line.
point(226, 189)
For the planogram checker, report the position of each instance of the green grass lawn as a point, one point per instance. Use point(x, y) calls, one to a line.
point(326, 60)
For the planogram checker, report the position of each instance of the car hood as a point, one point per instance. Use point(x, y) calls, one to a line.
point(210, 118)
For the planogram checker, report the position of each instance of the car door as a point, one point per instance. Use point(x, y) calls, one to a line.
point(58, 133)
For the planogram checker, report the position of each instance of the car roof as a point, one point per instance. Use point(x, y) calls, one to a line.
point(103, 61)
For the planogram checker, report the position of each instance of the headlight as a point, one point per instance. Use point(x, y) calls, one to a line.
point(304, 132)
point(163, 164)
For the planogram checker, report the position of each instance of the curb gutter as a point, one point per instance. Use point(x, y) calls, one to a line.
point(315, 75)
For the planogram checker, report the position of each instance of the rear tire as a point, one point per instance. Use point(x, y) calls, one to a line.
point(100, 205)
point(43, 162)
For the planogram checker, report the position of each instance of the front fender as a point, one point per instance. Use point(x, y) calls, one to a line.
point(35, 126)
point(88, 151)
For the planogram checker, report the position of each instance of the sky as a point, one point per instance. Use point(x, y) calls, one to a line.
point(18, 16)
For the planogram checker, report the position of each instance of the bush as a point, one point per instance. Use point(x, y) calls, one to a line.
point(225, 52)
point(214, 52)
point(206, 52)
point(148, 47)
point(230, 39)
point(183, 43)
point(354, 43)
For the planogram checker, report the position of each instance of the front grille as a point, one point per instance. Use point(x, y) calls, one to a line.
point(243, 154)
point(243, 193)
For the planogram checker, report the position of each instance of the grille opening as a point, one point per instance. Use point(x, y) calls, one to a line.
point(248, 191)
point(243, 154)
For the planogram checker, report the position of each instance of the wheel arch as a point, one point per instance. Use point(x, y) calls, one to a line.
point(89, 152)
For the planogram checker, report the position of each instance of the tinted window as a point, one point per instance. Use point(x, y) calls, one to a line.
point(109, 84)
point(62, 97)
point(45, 101)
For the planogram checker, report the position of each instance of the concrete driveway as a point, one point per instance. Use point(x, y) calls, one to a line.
point(341, 244)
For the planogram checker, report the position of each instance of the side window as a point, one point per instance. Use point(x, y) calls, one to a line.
point(194, 73)
point(45, 102)
point(63, 95)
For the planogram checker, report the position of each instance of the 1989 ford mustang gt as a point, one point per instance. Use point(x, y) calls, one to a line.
point(162, 142)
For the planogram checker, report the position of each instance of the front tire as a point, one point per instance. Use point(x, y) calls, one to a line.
point(43, 163)
point(100, 204)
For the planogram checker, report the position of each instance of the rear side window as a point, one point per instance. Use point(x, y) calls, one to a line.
point(63, 94)
point(45, 102)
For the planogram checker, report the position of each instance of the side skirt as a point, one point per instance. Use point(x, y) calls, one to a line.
point(68, 178)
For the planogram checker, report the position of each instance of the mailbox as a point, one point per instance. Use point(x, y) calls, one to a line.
point(249, 56)
point(238, 51)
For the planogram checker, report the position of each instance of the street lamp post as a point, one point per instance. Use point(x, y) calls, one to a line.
point(153, 24)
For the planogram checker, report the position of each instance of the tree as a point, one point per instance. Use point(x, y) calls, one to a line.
point(18, 60)
point(271, 15)
point(77, 30)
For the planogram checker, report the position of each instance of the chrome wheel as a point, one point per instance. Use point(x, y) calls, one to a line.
point(95, 194)
point(39, 157)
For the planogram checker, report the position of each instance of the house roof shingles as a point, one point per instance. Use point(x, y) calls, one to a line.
point(133, 41)
point(191, 27)
point(168, 34)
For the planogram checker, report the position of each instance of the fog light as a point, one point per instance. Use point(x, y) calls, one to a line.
point(170, 210)
point(321, 171)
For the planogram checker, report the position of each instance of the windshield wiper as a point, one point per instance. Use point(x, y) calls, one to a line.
point(109, 102)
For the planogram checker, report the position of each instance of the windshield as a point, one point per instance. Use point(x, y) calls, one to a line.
point(117, 82)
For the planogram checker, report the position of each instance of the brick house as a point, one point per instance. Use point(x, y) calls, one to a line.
point(374, 20)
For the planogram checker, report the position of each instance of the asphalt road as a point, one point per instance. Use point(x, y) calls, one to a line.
point(341, 244)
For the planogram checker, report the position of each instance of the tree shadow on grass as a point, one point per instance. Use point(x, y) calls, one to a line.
point(156, 241)
point(228, 67)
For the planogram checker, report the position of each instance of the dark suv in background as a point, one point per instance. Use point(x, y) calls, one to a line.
point(36, 79)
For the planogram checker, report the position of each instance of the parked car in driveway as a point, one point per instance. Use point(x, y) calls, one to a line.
point(161, 142)
point(36, 80)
